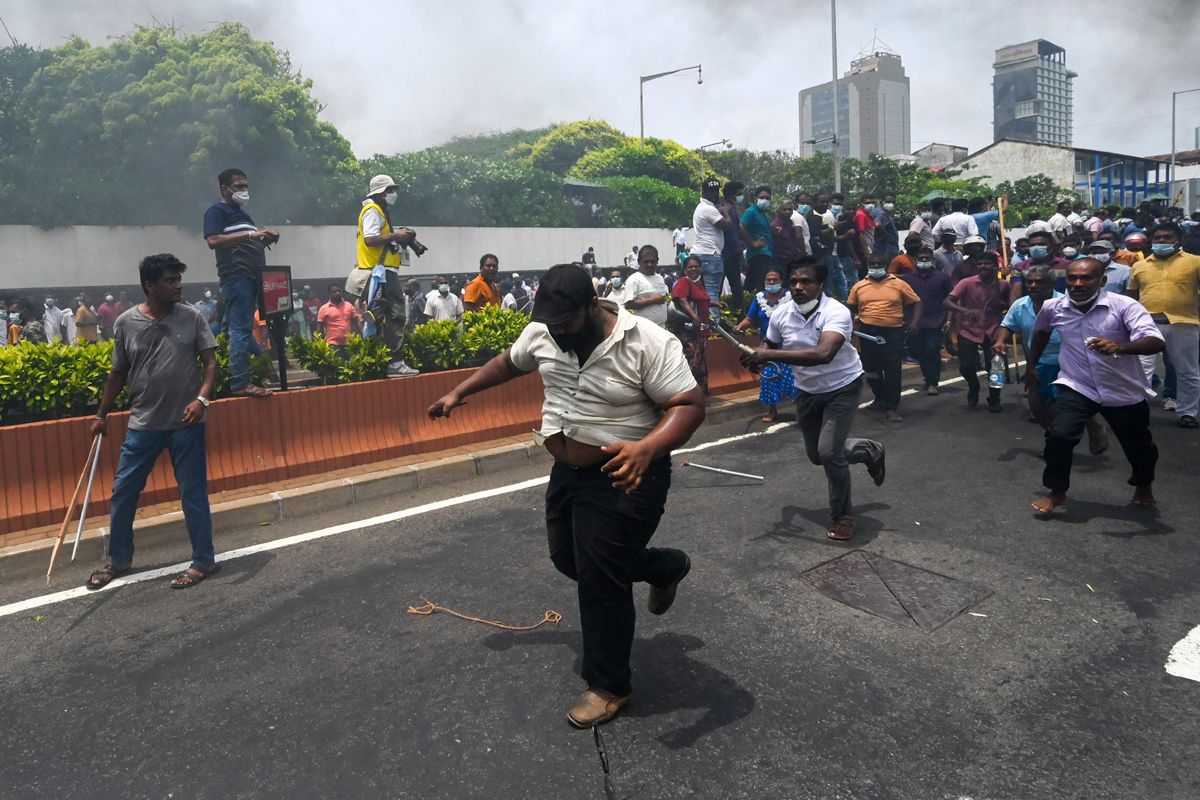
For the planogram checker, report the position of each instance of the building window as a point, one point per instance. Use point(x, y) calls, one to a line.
point(1026, 108)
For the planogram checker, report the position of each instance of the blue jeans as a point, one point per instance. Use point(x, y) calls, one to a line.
point(712, 272)
point(241, 299)
point(849, 272)
point(835, 287)
point(138, 454)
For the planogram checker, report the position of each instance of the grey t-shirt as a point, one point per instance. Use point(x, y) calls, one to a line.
point(159, 357)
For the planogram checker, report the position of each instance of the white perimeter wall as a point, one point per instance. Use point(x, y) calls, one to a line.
point(100, 256)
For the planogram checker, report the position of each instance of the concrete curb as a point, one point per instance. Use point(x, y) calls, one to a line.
point(271, 507)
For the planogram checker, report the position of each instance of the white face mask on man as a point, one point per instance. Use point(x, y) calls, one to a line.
point(240, 199)
point(390, 198)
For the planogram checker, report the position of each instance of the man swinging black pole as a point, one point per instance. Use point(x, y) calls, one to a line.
point(619, 399)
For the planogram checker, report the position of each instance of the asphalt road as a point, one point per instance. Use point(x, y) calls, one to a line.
point(298, 673)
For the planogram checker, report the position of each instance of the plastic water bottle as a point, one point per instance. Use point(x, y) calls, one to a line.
point(996, 374)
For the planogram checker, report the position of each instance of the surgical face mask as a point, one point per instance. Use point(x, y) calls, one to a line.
point(1085, 302)
point(836, 209)
point(804, 209)
point(50, 302)
point(1070, 252)
point(1039, 251)
point(877, 274)
point(108, 298)
point(806, 308)
point(763, 202)
point(207, 296)
point(390, 198)
point(888, 206)
point(926, 215)
point(1103, 258)
point(774, 288)
point(240, 198)
point(616, 283)
point(444, 288)
point(1163, 250)
point(741, 198)
point(869, 207)
point(924, 265)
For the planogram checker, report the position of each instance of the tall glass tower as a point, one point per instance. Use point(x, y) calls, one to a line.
point(1032, 93)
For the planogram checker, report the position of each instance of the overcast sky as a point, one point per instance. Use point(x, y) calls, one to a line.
point(400, 76)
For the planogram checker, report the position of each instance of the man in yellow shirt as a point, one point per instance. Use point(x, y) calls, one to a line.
point(1167, 283)
point(878, 301)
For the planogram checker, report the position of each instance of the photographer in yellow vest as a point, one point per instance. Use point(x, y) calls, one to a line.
point(379, 250)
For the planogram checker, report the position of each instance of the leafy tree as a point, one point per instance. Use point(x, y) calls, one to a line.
point(498, 146)
point(646, 203)
point(1034, 192)
point(438, 188)
point(559, 149)
point(137, 131)
point(660, 159)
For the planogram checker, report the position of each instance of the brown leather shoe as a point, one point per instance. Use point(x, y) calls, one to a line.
point(661, 598)
point(595, 707)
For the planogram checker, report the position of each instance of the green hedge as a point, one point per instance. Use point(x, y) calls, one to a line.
point(444, 344)
point(55, 381)
point(365, 360)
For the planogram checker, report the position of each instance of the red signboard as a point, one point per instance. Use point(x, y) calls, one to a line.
point(277, 291)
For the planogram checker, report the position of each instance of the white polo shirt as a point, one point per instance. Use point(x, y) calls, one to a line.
point(792, 331)
point(707, 238)
point(615, 395)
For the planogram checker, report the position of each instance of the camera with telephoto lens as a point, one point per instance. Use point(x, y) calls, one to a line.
point(416, 246)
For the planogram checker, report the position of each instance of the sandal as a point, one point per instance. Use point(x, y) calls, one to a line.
point(106, 575)
point(193, 575)
point(842, 530)
point(1188, 421)
point(251, 391)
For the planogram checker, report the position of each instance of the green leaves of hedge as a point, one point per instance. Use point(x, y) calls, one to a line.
point(50, 381)
point(442, 345)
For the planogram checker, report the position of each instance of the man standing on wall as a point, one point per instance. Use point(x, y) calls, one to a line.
point(710, 225)
point(759, 240)
point(155, 351)
point(732, 254)
point(379, 246)
point(240, 248)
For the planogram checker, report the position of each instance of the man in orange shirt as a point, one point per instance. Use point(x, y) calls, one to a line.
point(906, 262)
point(878, 302)
point(482, 291)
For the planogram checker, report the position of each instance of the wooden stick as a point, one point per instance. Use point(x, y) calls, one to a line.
point(1003, 239)
point(71, 509)
point(87, 496)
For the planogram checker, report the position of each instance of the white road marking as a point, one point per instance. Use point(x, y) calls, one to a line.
point(289, 541)
point(1184, 659)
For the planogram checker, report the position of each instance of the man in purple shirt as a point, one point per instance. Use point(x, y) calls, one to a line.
point(925, 334)
point(1098, 331)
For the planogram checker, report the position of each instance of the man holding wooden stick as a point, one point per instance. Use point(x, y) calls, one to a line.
point(156, 345)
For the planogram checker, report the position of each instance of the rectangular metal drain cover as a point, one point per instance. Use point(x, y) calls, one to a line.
point(893, 590)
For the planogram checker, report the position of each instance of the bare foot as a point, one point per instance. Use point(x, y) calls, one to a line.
point(772, 412)
point(1050, 502)
point(892, 416)
point(1143, 496)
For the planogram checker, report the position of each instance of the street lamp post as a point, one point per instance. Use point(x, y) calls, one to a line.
point(837, 145)
point(724, 142)
point(642, 92)
point(1173, 96)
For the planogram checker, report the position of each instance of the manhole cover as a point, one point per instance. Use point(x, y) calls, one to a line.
point(893, 590)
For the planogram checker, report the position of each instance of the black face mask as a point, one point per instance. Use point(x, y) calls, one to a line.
point(568, 342)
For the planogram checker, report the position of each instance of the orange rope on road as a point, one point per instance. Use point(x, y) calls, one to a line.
point(427, 609)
